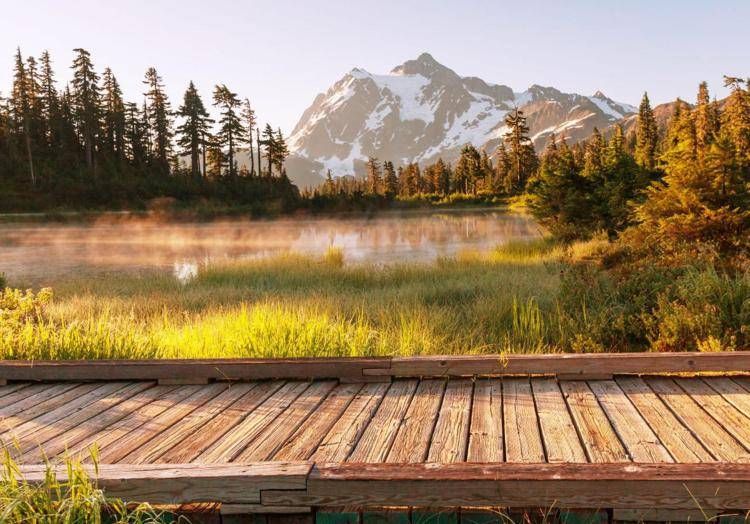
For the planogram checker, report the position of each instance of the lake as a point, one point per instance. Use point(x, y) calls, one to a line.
point(40, 253)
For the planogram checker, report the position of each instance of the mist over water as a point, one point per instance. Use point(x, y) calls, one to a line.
point(42, 253)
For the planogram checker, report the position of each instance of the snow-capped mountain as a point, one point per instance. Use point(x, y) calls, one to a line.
point(422, 110)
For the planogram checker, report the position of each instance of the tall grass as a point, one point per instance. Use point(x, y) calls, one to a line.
point(293, 305)
point(519, 298)
point(76, 499)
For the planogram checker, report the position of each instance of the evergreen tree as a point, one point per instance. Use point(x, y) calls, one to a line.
point(86, 104)
point(113, 110)
point(248, 115)
point(160, 119)
point(706, 120)
point(390, 180)
point(231, 131)
point(280, 152)
point(50, 104)
point(374, 178)
point(736, 119)
point(522, 157)
point(21, 110)
point(269, 144)
point(195, 127)
point(647, 135)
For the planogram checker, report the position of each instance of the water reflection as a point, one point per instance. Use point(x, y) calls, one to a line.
point(40, 253)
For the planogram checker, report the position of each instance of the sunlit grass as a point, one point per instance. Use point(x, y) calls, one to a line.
point(294, 306)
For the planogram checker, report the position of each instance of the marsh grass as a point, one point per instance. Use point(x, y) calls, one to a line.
point(293, 305)
point(75, 499)
point(523, 297)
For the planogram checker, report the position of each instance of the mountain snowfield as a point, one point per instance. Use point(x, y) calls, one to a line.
point(423, 110)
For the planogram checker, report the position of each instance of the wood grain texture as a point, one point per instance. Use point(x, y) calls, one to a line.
point(213, 430)
point(47, 398)
point(412, 442)
point(599, 438)
point(235, 440)
point(346, 432)
point(716, 439)
point(722, 411)
point(184, 483)
point(86, 394)
point(376, 440)
point(308, 436)
point(486, 431)
point(731, 390)
point(523, 440)
point(186, 427)
point(450, 439)
point(275, 435)
point(639, 439)
point(118, 450)
point(523, 485)
point(565, 364)
point(558, 430)
point(214, 369)
point(79, 431)
point(679, 440)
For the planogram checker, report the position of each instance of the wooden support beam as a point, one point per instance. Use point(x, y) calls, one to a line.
point(667, 486)
point(347, 369)
point(592, 364)
point(188, 483)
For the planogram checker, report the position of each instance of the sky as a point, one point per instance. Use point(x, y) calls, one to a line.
point(281, 53)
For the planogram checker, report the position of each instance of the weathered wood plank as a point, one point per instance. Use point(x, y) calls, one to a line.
point(598, 436)
point(603, 485)
point(44, 401)
point(558, 431)
point(205, 436)
point(719, 408)
point(23, 393)
point(678, 440)
point(235, 440)
point(450, 439)
point(168, 398)
point(731, 390)
point(87, 395)
point(7, 389)
point(412, 442)
point(184, 483)
point(274, 436)
point(720, 443)
point(640, 440)
point(486, 431)
point(376, 440)
point(39, 438)
point(118, 450)
point(187, 427)
point(306, 439)
point(344, 435)
point(215, 369)
point(571, 364)
point(523, 441)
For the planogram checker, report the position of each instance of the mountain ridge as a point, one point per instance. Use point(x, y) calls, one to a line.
point(422, 110)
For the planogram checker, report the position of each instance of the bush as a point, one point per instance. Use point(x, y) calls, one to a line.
point(704, 311)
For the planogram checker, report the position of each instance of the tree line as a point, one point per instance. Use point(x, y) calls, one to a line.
point(84, 145)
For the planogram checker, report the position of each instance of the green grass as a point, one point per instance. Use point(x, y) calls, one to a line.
point(74, 499)
point(501, 301)
point(524, 297)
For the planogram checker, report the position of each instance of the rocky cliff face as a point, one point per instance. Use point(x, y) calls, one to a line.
point(423, 110)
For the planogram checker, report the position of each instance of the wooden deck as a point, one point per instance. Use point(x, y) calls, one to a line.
point(591, 431)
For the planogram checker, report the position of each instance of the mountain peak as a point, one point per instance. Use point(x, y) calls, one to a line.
point(424, 65)
point(600, 95)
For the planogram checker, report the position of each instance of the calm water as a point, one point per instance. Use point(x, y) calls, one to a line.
point(32, 253)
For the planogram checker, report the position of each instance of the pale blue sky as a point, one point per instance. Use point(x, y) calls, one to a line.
point(281, 53)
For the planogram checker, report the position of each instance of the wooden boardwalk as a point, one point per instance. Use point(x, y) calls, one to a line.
point(579, 431)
